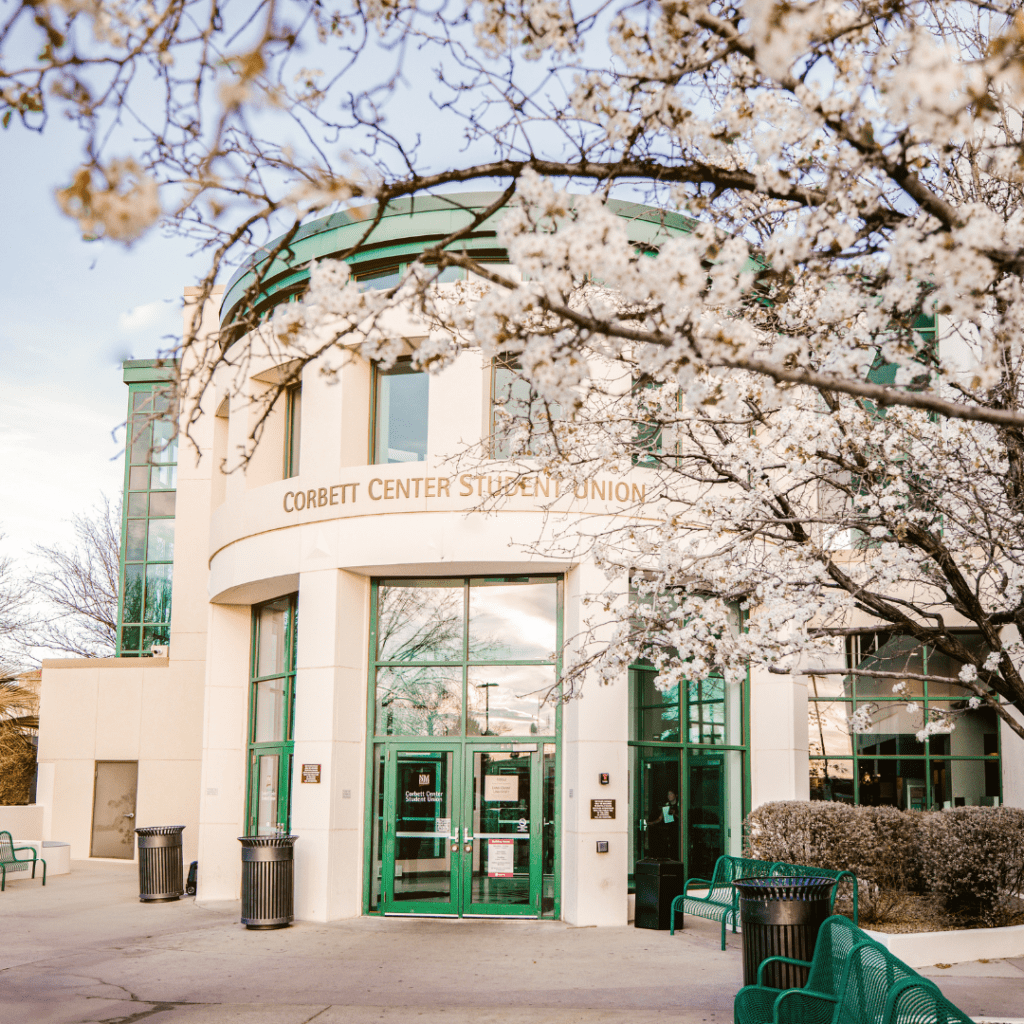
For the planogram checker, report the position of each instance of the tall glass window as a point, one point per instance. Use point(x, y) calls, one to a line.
point(292, 430)
point(271, 716)
point(401, 400)
point(887, 765)
point(688, 787)
point(467, 657)
point(147, 535)
point(518, 413)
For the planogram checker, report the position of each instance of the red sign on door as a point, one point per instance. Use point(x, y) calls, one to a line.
point(500, 858)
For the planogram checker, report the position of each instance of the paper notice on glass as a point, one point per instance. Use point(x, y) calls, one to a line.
point(501, 787)
point(500, 857)
point(444, 826)
point(666, 814)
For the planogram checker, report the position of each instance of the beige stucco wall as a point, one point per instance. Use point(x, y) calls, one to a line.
point(124, 709)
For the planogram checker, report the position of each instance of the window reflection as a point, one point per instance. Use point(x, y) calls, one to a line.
point(886, 764)
point(517, 409)
point(712, 710)
point(273, 622)
point(420, 620)
point(496, 659)
point(270, 711)
point(419, 701)
point(158, 593)
point(400, 430)
point(514, 621)
point(161, 540)
point(511, 700)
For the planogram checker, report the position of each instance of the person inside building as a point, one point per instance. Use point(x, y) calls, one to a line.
point(663, 828)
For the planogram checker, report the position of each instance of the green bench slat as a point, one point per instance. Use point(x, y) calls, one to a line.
point(10, 861)
point(852, 980)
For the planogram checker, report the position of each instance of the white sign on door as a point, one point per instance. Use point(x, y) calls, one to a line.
point(501, 787)
point(444, 826)
point(500, 857)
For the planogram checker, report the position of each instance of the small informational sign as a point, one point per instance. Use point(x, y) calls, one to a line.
point(311, 773)
point(602, 810)
point(500, 857)
point(444, 826)
point(501, 787)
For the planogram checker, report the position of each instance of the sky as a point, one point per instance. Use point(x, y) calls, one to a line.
point(73, 310)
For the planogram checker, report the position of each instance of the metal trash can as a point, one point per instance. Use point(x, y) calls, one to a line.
point(160, 863)
point(268, 877)
point(658, 883)
point(781, 917)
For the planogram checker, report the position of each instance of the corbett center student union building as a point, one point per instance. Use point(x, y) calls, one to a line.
point(350, 642)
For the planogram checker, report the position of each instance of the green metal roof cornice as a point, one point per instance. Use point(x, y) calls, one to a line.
point(149, 371)
point(407, 228)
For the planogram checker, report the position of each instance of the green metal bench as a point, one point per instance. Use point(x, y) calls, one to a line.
point(9, 859)
point(911, 1002)
point(782, 868)
point(721, 901)
point(852, 980)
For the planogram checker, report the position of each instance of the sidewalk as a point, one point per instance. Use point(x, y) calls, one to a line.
point(84, 950)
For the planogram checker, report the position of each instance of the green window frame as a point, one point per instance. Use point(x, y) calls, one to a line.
point(292, 429)
point(147, 524)
point(461, 659)
point(697, 742)
point(447, 676)
point(380, 408)
point(880, 768)
point(271, 718)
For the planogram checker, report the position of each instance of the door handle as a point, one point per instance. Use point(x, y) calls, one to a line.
point(129, 815)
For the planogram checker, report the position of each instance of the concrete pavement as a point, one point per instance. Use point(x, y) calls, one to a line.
point(84, 950)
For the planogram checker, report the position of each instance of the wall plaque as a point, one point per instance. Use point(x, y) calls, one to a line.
point(602, 810)
point(311, 773)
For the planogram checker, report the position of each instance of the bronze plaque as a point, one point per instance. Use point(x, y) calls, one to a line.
point(603, 810)
point(311, 773)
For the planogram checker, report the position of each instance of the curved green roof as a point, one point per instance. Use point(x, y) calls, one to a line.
point(407, 228)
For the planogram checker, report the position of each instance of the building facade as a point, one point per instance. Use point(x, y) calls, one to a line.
point(355, 640)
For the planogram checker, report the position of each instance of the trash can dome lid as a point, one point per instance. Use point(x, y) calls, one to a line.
point(267, 840)
point(159, 830)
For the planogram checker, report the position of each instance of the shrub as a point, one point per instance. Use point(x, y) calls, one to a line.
point(975, 856)
point(970, 857)
point(880, 845)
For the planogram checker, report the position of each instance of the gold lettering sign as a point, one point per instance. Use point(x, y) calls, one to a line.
point(533, 485)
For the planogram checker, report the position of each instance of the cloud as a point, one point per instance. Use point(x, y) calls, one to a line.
point(141, 317)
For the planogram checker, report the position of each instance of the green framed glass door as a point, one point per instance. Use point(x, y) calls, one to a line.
point(462, 831)
point(270, 781)
point(502, 831)
point(420, 855)
point(706, 817)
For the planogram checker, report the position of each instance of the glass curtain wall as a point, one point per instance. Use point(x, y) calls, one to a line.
point(466, 657)
point(271, 717)
point(401, 405)
point(689, 788)
point(147, 533)
point(888, 765)
point(463, 662)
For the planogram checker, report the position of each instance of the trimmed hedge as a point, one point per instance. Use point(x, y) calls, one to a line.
point(970, 857)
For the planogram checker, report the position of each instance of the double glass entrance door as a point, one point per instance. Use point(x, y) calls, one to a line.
point(461, 831)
